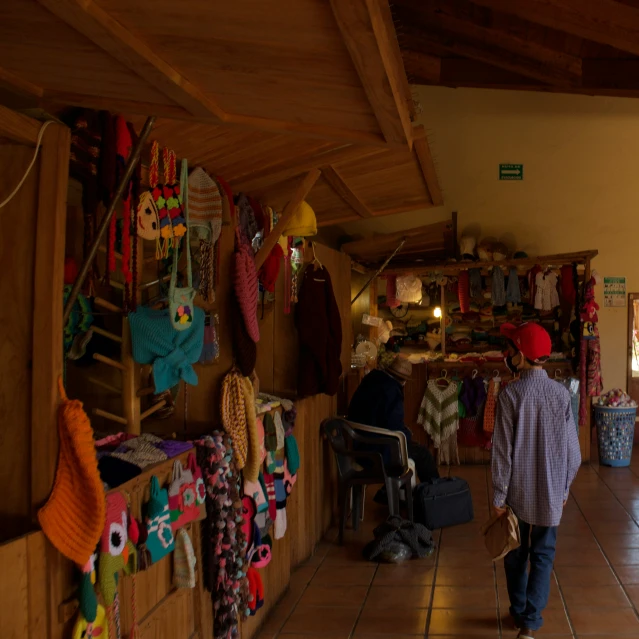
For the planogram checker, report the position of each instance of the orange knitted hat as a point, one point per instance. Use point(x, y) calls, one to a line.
point(73, 517)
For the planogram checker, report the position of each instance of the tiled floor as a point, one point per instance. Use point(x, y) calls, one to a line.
point(460, 593)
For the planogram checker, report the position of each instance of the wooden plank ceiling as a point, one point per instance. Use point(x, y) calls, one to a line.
point(570, 46)
point(256, 92)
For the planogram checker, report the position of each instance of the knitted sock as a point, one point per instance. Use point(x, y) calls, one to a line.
point(280, 523)
point(270, 494)
point(270, 433)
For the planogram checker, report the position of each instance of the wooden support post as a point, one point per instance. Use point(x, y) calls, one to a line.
point(108, 334)
point(108, 361)
point(271, 239)
point(48, 307)
point(114, 418)
point(130, 383)
point(107, 306)
point(153, 409)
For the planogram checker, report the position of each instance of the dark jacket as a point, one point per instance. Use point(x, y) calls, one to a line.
point(379, 401)
point(319, 328)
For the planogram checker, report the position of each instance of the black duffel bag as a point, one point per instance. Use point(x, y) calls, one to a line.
point(443, 502)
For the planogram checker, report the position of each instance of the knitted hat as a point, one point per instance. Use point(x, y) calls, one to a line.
point(73, 517)
point(401, 369)
point(302, 222)
point(256, 590)
point(183, 561)
point(115, 533)
point(246, 289)
point(205, 205)
point(247, 222)
point(271, 268)
point(244, 348)
point(292, 454)
point(270, 439)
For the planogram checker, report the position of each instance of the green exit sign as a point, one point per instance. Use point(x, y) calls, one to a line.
point(511, 171)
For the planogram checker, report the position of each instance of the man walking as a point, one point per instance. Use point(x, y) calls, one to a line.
point(536, 457)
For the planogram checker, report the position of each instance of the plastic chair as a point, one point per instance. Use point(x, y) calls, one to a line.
point(358, 468)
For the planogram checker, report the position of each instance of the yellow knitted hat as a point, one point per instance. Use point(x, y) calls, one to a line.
point(302, 222)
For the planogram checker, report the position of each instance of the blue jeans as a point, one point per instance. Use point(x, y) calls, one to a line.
point(528, 592)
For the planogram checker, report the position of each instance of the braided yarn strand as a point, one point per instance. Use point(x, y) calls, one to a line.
point(234, 417)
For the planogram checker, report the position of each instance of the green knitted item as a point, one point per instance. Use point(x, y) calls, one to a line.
point(87, 599)
point(292, 454)
point(270, 433)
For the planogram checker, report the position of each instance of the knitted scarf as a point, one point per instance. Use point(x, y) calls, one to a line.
point(438, 413)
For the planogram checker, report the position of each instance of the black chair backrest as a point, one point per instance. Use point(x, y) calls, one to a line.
point(340, 435)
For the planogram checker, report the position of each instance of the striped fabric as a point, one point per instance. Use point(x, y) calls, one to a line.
point(438, 413)
point(205, 203)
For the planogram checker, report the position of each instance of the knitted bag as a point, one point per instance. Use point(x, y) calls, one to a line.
point(181, 299)
point(148, 221)
point(84, 629)
point(160, 541)
point(183, 561)
point(200, 488)
point(246, 288)
point(205, 206)
point(182, 497)
point(73, 517)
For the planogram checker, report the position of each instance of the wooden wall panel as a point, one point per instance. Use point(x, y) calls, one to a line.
point(17, 249)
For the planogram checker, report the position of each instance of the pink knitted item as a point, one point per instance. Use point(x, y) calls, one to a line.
point(246, 288)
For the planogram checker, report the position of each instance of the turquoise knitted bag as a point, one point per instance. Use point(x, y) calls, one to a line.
point(181, 299)
point(160, 541)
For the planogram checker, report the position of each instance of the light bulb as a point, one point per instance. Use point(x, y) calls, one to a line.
point(437, 312)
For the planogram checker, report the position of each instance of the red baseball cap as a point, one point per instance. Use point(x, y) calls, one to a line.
point(530, 338)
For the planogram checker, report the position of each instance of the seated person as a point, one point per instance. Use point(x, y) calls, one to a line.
point(379, 401)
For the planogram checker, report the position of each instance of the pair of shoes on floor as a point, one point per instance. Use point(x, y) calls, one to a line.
point(524, 633)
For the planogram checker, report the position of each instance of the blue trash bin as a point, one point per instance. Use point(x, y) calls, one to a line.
point(615, 434)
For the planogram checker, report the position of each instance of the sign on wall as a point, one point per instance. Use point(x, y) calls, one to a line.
point(511, 171)
point(614, 291)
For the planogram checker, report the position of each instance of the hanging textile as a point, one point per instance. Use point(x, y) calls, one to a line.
point(439, 415)
point(498, 287)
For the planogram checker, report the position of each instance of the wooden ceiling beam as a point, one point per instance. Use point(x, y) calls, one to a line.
point(342, 189)
point(89, 19)
point(302, 190)
point(18, 85)
point(18, 127)
point(548, 64)
point(369, 35)
point(383, 241)
point(603, 21)
point(423, 66)
point(453, 44)
point(427, 165)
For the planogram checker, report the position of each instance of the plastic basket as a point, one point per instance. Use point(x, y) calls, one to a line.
point(615, 434)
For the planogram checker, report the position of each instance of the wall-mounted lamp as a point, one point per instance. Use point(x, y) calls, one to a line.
point(438, 312)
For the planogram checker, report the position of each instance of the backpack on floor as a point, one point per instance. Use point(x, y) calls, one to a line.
point(443, 502)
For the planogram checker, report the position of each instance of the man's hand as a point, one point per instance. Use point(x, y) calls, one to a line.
point(499, 511)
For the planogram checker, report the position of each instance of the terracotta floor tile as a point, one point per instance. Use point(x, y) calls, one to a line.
point(339, 596)
point(579, 557)
point(382, 597)
point(589, 575)
point(407, 621)
point(463, 622)
point(628, 575)
point(348, 554)
point(302, 575)
point(555, 622)
point(601, 528)
point(404, 575)
point(476, 576)
point(596, 596)
point(354, 575)
point(458, 557)
point(633, 593)
point(554, 601)
point(477, 597)
point(321, 620)
point(623, 556)
point(609, 621)
point(619, 541)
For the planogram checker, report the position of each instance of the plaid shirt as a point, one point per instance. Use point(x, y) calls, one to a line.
point(536, 452)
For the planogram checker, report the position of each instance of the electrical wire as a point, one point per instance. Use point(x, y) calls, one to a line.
point(33, 159)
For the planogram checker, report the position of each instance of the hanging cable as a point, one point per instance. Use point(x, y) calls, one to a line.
point(33, 159)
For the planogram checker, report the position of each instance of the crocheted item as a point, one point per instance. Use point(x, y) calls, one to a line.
point(397, 530)
point(171, 352)
point(182, 497)
point(172, 194)
point(438, 411)
point(247, 223)
point(97, 629)
point(224, 545)
point(595, 380)
point(207, 271)
point(160, 541)
point(489, 407)
point(256, 590)
point(246, 288)
point(546, 296)
point(73, 517)
point(255, 490)
point(244, 348)
point(270, 432)
point(292, 454)
point(279, 430)
point(498, 287)
point(148, 222)
point(205, 205)
point(271, 268)
point(183, 561)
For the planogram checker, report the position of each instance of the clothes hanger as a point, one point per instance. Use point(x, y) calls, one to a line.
point(316, 263)
point(475, 373)
point(443, 378)
point(496, 376)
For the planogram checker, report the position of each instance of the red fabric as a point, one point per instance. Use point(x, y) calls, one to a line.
point(246, 288)
point(271, 268)
point(463, 291)
point(319, 329)
point(567, 284)
point(471, 432)
point(530, 338)
point(391, 292)
point(70, 270)
point(258, 212)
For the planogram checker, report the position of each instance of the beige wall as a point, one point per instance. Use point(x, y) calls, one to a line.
point(580, 189)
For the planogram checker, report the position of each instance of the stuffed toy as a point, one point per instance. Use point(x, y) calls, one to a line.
point(96, 629)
